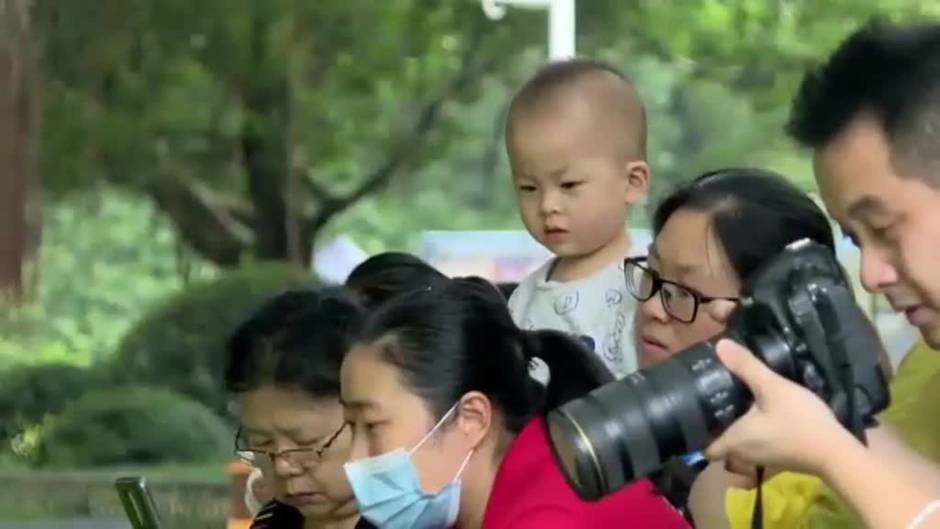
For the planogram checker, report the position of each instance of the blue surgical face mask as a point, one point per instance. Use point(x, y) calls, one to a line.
point(389, 493)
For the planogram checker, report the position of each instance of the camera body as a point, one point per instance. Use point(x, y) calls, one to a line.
point(797, 314)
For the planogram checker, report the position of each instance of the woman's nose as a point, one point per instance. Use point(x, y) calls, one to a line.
point(284, 468)
point(653, 309)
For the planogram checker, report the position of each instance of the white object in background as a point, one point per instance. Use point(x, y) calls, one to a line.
point(499, 256)
point(561, 22)
point(336, 260)
point(897, 335)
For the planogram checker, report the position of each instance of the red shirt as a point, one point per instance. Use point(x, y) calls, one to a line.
point(530, 492)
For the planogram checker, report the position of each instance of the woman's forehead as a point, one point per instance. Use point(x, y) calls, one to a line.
point(276, 408)
point(367, 380)
point(687, 247)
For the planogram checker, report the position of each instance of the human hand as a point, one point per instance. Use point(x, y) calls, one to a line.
point(787, 427)
point(741, 475)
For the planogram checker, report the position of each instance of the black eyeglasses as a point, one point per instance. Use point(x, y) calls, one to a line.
point(301, 457)
point(679, 301)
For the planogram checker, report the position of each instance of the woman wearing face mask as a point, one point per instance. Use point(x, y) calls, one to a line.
point(709, 236)
point(283, 368)
point(447, 427)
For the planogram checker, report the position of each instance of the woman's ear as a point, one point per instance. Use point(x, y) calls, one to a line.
point(474, 417)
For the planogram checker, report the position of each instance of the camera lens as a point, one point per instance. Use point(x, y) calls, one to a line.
point(625, 430)
point(797, 314)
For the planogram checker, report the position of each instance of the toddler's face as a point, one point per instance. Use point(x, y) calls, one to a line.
point(573, 190)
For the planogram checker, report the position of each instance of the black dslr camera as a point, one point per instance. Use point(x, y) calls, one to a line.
point(797, 314)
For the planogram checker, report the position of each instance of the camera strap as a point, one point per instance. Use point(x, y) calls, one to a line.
point(757, 518)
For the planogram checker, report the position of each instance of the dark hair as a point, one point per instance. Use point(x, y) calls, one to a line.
point(891, 71)
point(388, 274)
point(507, 288)
point(458, 337)
point(297, 340)
point(755, 214)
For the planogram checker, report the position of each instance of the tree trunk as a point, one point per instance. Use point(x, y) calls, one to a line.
point(265, 144)
point(264, 151)
point(19, 206)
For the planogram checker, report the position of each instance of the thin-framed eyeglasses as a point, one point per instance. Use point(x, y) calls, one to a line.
point(302, 457)
point(679, 301)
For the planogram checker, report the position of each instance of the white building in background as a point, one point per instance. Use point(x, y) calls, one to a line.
point(335, 260)
point(500, 256)
point(898, 335)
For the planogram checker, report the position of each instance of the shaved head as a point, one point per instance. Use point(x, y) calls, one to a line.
point(592, 91)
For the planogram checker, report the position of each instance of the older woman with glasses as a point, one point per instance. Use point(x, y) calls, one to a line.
point(708, 237)
point(283, 368)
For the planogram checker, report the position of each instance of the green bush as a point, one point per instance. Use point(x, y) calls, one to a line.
point(29, 393)
point(180, 344)
point(133, 426)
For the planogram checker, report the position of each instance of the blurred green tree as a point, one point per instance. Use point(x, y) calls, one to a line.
point(252, 124)
point(106, 257)
point(256, 125)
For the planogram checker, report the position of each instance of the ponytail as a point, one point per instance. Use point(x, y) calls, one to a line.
point(458, 336)
point(574, 370)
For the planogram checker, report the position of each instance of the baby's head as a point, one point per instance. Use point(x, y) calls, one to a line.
point(576, 138)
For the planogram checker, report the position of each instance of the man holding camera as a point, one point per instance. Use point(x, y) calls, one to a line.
point(871, 115)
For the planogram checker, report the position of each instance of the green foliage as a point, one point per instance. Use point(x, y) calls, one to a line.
point(227, 97)
point(145, 92)
point(716, 77)
point(180, 343)
point(104, 257)
point(29, 393)
point(187, 496)
point(695, 125)
point(133, 425)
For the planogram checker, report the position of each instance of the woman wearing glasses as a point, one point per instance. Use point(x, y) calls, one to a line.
point(709, 236)
point(284, 364)
point(317, 342)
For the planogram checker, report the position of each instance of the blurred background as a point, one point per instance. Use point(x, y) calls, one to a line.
point(166, 164)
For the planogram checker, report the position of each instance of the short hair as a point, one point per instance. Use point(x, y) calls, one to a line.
point(556, 76)
point(296, 340)
point(890, 71)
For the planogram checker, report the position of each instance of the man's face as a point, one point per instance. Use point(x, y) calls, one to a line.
point(893, 219)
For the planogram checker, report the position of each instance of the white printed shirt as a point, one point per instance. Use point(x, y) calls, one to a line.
point(597, 309)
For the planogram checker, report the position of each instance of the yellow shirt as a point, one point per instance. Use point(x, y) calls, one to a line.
point(787, 499)
point(799, 501)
